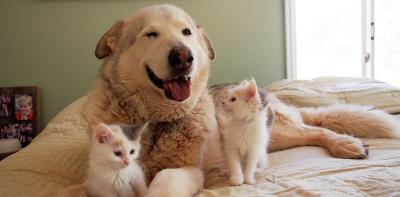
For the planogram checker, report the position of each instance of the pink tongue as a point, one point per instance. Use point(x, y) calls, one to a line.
point(179, 88)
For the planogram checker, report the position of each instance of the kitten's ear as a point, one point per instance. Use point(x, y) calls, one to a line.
point(103, 133)
point(133, 132)
point(243, 83)
point(251, 90)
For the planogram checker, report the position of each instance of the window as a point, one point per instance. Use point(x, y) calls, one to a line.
point(387, 41)
point(357, 38)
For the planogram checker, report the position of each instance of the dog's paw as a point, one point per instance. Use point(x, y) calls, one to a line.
point(178, 182)
point(236, 180)
point(348, 147)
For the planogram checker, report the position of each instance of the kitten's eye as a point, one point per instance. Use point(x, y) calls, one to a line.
point(117, 153)
point(152, 34)
point(233, 99)
point(186, 32)
point(132, 151)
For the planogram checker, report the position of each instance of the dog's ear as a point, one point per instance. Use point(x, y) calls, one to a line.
point(108, 42)
point(209, 47)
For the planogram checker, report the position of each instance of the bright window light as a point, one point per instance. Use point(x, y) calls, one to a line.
point(354, 38)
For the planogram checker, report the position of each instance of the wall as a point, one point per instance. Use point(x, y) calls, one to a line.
point(50, 43)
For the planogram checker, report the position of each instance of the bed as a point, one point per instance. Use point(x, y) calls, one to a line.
point(56, 159)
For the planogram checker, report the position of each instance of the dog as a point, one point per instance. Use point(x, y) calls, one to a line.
point(156, 67)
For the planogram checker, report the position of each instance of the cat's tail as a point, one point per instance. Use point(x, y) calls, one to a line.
point(355, 120)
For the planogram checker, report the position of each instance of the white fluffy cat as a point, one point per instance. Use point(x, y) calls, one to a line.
point(241, 113)
point(113, 169)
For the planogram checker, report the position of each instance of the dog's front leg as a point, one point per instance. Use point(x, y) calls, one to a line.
point(185, 181)
point(339, 145)
point(343, 146)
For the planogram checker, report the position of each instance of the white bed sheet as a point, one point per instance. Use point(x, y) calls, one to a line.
point(58, 158)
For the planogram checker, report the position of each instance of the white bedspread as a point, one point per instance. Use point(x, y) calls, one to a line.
point(312, 171)
point(57, 159)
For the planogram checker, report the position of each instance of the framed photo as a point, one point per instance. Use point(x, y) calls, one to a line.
point(19, 113)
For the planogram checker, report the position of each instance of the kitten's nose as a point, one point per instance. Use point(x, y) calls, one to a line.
point(126, 162)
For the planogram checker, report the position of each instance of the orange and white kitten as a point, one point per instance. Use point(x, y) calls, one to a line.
point(241, 113)
point(113, 169)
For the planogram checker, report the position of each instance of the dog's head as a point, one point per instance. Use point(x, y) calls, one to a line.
point(161, 53)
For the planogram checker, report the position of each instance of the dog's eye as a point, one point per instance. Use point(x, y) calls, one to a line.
point(186, 32)
point(132, 151)
point(233, 99)
point(152, 34)
point(117, 153)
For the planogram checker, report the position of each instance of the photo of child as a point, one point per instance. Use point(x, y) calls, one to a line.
point(19, 113)
point(23, 107)
point(5, 102)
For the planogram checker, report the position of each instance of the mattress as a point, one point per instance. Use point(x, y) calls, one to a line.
point(57, 159)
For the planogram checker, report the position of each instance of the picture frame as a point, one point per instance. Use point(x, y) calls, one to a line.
point(19, 113)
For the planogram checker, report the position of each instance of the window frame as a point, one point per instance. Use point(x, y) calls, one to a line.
point(367, 47)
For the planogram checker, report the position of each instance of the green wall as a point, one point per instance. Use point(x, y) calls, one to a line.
point(50, 43)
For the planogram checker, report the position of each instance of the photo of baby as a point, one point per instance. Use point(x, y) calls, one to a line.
point(23, 107)
point(5, 104)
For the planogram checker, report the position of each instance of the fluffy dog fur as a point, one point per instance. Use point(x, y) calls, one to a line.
point(331, 127)
point(182, 135)
point(178, 131)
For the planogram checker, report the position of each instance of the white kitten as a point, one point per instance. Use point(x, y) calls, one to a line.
point(113, 169)
point(241, 113)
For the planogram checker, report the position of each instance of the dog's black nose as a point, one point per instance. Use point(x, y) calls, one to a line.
point(180, 58)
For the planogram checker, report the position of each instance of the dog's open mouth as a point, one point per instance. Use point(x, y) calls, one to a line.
point(177, 89)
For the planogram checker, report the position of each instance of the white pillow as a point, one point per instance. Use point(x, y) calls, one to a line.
point(333, 90)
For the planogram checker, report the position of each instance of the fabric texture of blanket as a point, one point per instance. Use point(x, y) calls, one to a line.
point(57, 159)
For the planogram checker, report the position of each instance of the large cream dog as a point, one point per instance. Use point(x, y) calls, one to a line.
point(156, 67)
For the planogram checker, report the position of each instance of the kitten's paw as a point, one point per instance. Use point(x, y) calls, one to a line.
point(236, 180)
point(348, 147)
point(263, 164)
point(250, 180)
